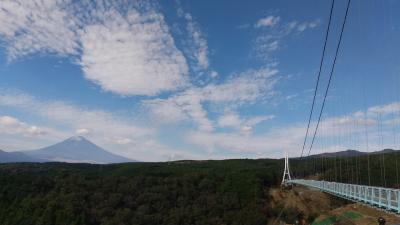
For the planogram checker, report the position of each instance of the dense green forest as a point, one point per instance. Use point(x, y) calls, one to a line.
point(184, 192)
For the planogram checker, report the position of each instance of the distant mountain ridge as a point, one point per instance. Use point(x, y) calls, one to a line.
point(346, 153)
point(9, 157)
point(76, 149)
point(352, 153)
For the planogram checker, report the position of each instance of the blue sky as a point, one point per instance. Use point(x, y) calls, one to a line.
point(160, 80)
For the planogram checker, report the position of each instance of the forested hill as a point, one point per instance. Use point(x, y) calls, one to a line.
point(185, 192)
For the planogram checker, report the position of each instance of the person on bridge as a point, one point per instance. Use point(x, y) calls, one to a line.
point(300, 219)
point(381, 221)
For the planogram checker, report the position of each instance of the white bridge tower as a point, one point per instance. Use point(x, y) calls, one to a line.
point(286, 172)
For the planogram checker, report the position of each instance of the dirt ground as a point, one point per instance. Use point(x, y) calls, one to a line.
point(316, 206)
point(299, 200)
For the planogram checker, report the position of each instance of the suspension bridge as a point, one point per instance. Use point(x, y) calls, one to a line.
point(385, 198)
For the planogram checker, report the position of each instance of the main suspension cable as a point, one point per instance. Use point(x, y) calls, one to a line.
point(318, 77)
point(330, 76)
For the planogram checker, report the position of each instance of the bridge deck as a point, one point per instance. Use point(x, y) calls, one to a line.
point(385, 198)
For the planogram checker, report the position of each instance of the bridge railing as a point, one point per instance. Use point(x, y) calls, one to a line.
point(385, 198)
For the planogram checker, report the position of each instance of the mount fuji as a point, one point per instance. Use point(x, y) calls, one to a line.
point(76, 149)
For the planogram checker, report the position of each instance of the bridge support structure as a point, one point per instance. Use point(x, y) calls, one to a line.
point(286, 173)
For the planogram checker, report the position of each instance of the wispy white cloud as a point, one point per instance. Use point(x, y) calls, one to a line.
point(252, 121)
point(334, 134)
point(269, 40)
point(97, 121)
point(122, 141)
point(305, 25)
point(268, 21)
point(126, 50)
point(233, 120)
point(16, 134)
point(229, 120)
point(213, 73)
point(82, 131)
point(12, 125)
point(289, 97)
point(385, 109)
point(243, 26)
point(270, 144)
point(132, 54)
point(186, 106)
point(37, 26)
point(200, 53)
point(244, 88)
point(196, 45)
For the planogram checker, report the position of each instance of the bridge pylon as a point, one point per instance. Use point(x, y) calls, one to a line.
point(286, 172)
